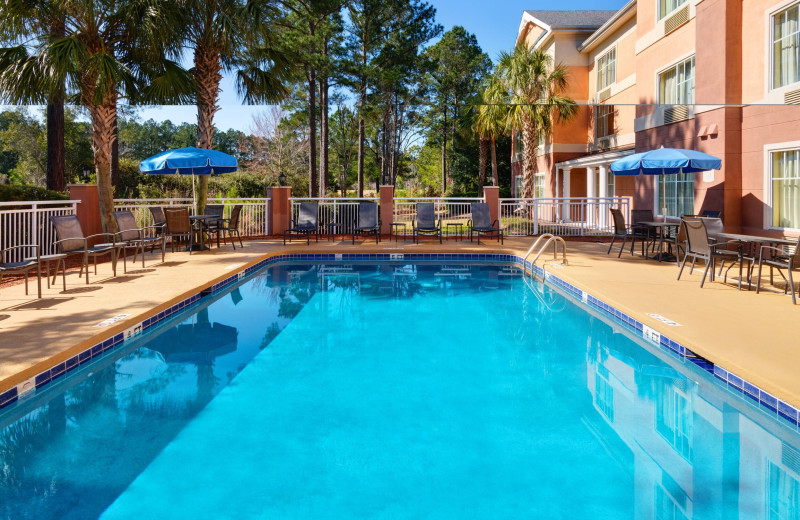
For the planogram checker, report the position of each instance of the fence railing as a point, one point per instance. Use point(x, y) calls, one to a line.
point(253, 220)
point(585, 216)
point(452, 211)
point(336, 216)
point(28, 222)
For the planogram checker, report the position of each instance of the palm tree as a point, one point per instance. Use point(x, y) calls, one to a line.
point(535, 88)
point(110, 49)
point(20, 22)
point(229, 35)
point(491, 122)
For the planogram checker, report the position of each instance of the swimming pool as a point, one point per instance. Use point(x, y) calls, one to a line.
point(392, 390)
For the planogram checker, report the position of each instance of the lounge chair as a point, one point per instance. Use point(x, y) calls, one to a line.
point(699, 247)
point(130, 236)
point(780, 259)
point(426, 223)
point(23, 267)
point(620, 231)
point(368, 222)
point(230, 226)
point(71, 241)
point(178, 226)
point(307, 222)
point(481, 223)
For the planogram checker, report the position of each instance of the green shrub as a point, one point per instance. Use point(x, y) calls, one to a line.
point(19, 192)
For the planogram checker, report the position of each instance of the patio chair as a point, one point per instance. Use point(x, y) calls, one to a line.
point(368, 221)
point(680, 239)
point(481, 222)
point(426, 223)
point(231, 226)
point(645, 234)
point(23, 267)
point(159, 221)
point(620, 231)
point(214, 226)
point(131, 236)
point(71, 241)
point(699, 247)
point(178, 226)
point(712, 213)
point(780, 259)
point(307, 223)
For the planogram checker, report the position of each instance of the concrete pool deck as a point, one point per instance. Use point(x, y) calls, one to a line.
point(757, 337)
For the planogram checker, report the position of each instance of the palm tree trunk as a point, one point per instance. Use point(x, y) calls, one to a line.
point(482, 153)
point(207, 75)
point(103, 117)
point(115, 155)
point(528, 157)
point(55, 144)
point(495, 180)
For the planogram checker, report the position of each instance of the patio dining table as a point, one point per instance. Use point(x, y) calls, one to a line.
point(745, 245)
point(662, 229)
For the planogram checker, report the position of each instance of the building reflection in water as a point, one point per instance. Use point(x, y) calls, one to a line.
point(696, 450)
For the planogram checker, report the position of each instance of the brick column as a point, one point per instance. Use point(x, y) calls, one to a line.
point(491, 194)
point(387, 209)
point(88, 211)
point(281, 209)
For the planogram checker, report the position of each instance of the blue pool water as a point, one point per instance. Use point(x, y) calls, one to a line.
point(392, 391)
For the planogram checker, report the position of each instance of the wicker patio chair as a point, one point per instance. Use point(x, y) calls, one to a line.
point(178, 226)
point(307, 222)
point(24, 267)
point(780, 259)
point(699, 247)
point(620, 231)
point(130, 236)
point(481, 223)
point(230, 226)
point(368, 223)
point(426, 223)
point(71, 241)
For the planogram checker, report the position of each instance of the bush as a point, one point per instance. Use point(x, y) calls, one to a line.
point(19, 192)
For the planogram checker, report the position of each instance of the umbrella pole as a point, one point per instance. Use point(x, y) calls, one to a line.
point(194, 194)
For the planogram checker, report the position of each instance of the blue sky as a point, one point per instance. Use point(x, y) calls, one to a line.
point(494, 23)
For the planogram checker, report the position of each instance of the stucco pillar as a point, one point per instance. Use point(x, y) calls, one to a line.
point(491, 195)
point(590, 210)
point(387, 209)
point(281, 209)
point(603, 206)
point(88, 211)
point(565, 204)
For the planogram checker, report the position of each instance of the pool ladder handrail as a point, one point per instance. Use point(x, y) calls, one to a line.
point(550, 238)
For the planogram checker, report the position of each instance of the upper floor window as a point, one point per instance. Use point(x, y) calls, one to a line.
point(786, 189)
point(606, 69)
point(605, 120)
point(667, 6)
point(786, 47)
point(676, 84)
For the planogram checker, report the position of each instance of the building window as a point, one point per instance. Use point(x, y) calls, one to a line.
point(611, 186)
point(518, 146)
point(786, 189)
point(538, 185)
point(667, 6)
point(605, 120)
point(786, 47)
point(676, 84)
point(676, 194)
point(518, 185)
point(607, 69)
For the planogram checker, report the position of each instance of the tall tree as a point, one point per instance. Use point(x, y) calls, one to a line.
point(491, 122)
point(460, 66)
point(536, 90)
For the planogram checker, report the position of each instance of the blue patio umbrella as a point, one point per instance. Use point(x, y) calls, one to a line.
point(664, 161)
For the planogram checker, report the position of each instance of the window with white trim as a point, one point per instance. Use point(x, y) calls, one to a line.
point(612, 184)
point(786, 47)
point(676, 84)
point(538, 185)
point(665, 7)
point(785, 174)
point(607, 69)
point(605, 120)
point(676, 193)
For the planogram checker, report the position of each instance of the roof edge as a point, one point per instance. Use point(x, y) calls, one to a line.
point(619, 17)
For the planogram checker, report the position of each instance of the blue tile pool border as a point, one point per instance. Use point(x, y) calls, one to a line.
point(738, 386)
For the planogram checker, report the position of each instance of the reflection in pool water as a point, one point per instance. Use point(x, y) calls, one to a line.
point(398, 391)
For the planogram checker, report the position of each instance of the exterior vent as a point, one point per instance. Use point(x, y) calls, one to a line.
point(678, 18)
point(603, 95)
point(790, 458)
point(792, 98)
point(676, 113)
point(604, 143)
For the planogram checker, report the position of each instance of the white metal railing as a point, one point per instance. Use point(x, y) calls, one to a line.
point(572, 216)
point(28, 222)
point(450, 210)
point(253, 220)
point(341, 212)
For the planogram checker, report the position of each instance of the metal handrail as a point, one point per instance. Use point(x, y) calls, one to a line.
point(550, 238)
